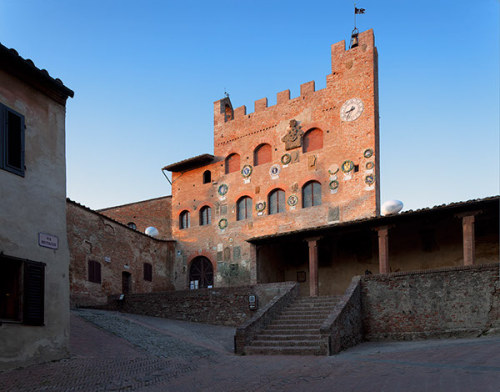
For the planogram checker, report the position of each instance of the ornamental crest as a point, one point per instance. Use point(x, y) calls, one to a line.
point(293, 137)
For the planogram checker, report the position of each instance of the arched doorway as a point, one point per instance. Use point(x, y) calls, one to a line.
point(201, 273)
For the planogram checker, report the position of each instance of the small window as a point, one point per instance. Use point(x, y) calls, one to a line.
point(244, 208)
point(207, 177)
point(313, 140)
point(205, 216)
point(132, 225)
point(184, 221)
point(311, 194)
point(276, 201)
point(148, 272)
point(11, 141)
point(94, 271)
point(232, 163)
point(262, 154)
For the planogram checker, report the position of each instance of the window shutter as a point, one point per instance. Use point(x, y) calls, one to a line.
point(34, 291)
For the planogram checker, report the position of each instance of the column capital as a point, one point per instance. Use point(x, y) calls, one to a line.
point(468, 214)
point(312, 239)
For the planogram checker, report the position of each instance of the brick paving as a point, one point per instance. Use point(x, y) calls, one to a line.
point(123, 352)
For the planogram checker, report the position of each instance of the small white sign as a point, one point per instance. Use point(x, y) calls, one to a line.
point(48, 241)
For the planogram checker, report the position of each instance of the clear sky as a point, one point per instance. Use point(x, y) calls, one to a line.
point(146, 74)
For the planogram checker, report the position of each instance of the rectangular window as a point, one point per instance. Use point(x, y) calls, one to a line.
point(22, 290)
point(11, 141)
point(148, 272)
point(94, 271)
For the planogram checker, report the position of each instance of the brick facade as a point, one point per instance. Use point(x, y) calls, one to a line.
point(120, 253)
point(153, 212)
point(345, 195)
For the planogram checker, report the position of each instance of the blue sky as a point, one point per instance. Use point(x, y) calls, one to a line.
point(146, 74)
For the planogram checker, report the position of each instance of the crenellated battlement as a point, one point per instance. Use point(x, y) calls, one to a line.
point(343, 62)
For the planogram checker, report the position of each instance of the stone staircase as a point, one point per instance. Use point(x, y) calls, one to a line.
point(296, 330)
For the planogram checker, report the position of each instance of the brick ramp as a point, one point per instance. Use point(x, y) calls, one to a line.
point(296, 330)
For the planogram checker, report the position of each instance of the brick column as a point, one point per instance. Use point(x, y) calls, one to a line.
point(469, 240)
point(383, 249)
point(313, 266)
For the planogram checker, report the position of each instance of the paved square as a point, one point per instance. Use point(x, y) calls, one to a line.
point(122, 352)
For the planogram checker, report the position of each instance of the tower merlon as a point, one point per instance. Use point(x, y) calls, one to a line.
point(260, 104)
point(282, 97)
point(307, 88)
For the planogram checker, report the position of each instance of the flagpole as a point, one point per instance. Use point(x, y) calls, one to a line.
point(354, 15)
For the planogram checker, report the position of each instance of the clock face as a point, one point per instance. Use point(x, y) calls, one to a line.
point(351, 109)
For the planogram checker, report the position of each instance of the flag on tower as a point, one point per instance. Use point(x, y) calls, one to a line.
point(359, 10)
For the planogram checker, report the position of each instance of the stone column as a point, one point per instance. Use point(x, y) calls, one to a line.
point(254, 252)
point(469, 240)
point(313, 266)
point(383, 249)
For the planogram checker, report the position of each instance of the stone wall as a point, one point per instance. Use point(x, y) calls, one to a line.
point(222, 306)
point(460, 301)
point(344, 326)
point(119, 250)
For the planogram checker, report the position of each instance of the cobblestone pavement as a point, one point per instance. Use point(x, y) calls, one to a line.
point(122, 352)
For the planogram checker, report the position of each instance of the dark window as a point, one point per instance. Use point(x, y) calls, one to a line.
point(148, 272)
point(276, 201)
point(244, 208)
point(311, 194)
point(22, 290)
point(262, 154)
point(207, 177)
point(126, 282)
point(94, 271)
point(205, 216)
point(232, 163)
point(184, 221)
point(313, 140)
point(132, 225)
point(201, 273)
point(11, 141)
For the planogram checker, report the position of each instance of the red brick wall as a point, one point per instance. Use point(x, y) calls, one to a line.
point(92, 236)
point(353, 75)
point(154, 212)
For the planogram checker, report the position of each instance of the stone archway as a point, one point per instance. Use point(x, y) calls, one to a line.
point(201, 271)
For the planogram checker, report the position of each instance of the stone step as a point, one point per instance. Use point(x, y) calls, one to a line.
point(284, 343)
point(277, 337)
point(294, 326)
point(305, 317)
point(298, 331)
point(272, 350)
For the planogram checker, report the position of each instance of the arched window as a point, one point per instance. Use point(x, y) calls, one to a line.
point(276, 201)
point(184, 220)
point(132, 225)
point(262, 154)
point(207, 177)
point(205, 216)
point(244, 208)
point(313, 140)
point(232, 163)
point(311, 194)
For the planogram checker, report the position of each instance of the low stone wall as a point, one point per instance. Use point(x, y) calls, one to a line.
point(451, 302)
point(247, 331)
point(343, 328)
point(220, 306)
